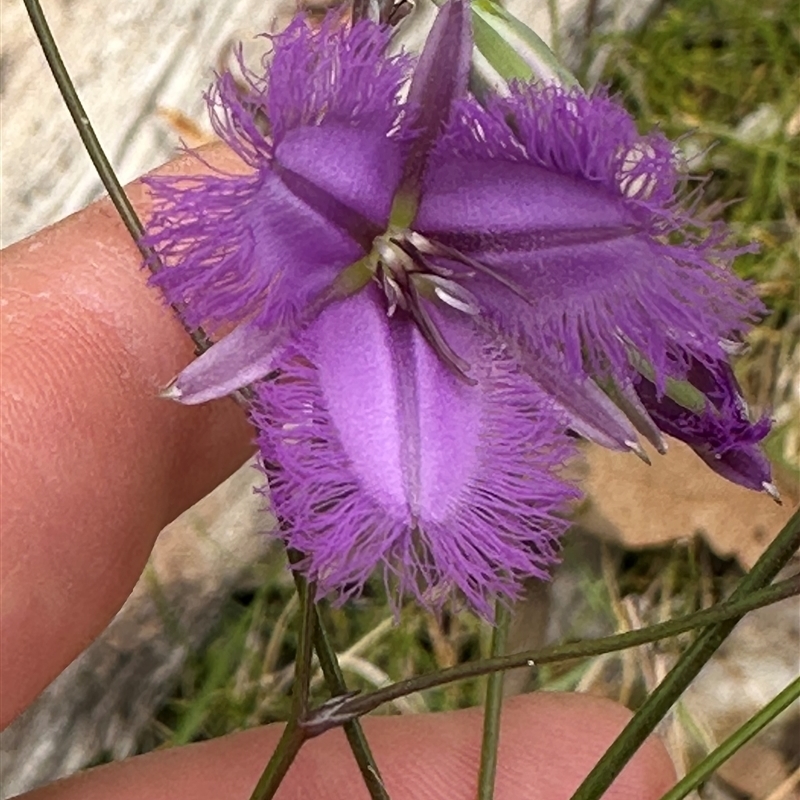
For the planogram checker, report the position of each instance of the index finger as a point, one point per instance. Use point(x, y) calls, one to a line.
point(93, 463)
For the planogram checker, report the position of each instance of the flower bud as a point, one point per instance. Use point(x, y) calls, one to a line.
point(507, 50)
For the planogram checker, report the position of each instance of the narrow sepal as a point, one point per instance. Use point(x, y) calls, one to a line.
point(583, 407)
point(440, 78)
point(623, 394)
point(238, 359)
point(513, 50)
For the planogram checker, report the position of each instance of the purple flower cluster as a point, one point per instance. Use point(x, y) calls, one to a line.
point(431, 293)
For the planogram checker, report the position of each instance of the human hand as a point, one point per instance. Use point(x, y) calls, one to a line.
point(94, 464)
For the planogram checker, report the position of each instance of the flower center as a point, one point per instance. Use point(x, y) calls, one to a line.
point(400, 264)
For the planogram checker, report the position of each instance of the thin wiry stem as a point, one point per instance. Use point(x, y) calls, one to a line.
point(294, 735)
point(94, 149)
point(352, 729)
point(658, 703)
point(334, 680)
point(734, 742)
point(732, 609)
point(305, 651)
point(493, 707)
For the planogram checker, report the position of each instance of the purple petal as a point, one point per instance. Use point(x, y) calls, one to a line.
point(440, 78)
point(379, 456)
point(239, 246)
point(334, 74)
point(577, 218)
point(334, 98)
point(744, 464)
point(358, 168)
point(266, 244)
point(722, 434)
point(338, 74)
point(240, 358)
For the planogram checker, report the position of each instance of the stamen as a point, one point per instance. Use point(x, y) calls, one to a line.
point(391, 288)
point(421, 244)
point(452, 293)
point(431, 334)
point(456, 255)
point(407, 279)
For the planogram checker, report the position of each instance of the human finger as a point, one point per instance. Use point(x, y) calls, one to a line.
point(548, 744)
point(93, 462)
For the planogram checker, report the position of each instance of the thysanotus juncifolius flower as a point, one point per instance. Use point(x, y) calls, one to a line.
point(431, 294)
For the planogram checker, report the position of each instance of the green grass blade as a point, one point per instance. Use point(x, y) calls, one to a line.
point(735, 741)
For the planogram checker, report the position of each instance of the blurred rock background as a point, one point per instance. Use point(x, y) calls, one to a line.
point(205, 643)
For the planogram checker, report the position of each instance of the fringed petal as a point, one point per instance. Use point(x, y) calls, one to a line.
point(321, 182)
point(578, 218)
point(237, 247)
point(336, 74)
point(378, 456)
point(334, 98)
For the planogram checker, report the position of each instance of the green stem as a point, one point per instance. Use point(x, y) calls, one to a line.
point(294, 735)
point(356, 737)
point(731, 609)
point(334, 679)
point(95, 150)
point(736, 740)
point(493, 707)
point(81, 120)
point(658, 703)
point(305, 651)
point(282, 758)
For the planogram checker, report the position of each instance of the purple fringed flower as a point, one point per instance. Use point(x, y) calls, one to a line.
point(437, 291)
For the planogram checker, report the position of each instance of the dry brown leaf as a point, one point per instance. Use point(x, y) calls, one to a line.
point(675, 498)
